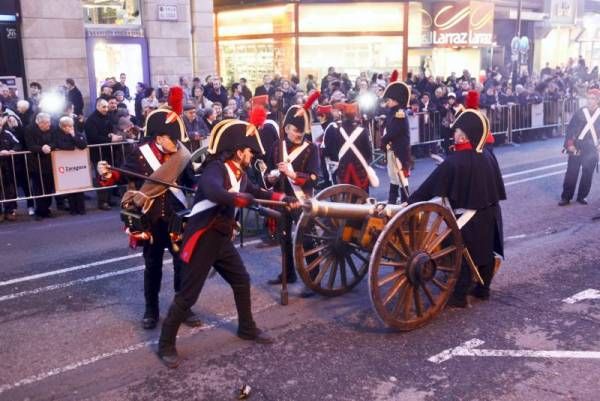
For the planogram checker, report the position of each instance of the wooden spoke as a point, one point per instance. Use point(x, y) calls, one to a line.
point(330, 230)
point(432, 231)
point(443, 252)
point(422, 228)
point(427, 292)
point(317, 261)
point(320, 237)
point(332, 274)
point(324, 269)
point(384, 262)
point(390, 277)
point(398, 234)
point(395, 290)
point(343, 272)
point(446, 269)
point(316, 250)
point(412, 232)
point(438, 240)
point(407, 302)
point(361, 257)
point(352, 265)
point(395, 248)
point(418, 302)
point(439, 284)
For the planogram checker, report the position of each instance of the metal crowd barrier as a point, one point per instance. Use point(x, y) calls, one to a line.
point(26, 175)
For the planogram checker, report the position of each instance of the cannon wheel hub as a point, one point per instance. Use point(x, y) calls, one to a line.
point(421, 268)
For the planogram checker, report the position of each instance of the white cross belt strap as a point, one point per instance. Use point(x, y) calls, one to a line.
point(155, 165)
point(289, 158)
point(208, 204)
point(590, 125)
point(349, 144)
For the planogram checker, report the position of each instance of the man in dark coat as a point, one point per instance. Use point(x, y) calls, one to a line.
point(9, 144)
point(396, 138)
point(470, 179)
point(162, 152)
point(350, 146)
point(223, 186)
point(74, 96)
point(294, 166)
point(39, 139)
point(582, 144)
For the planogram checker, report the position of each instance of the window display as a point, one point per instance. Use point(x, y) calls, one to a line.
point(116, 12)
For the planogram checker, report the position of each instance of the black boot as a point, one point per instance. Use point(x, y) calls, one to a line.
point(403, 197)
point(168, 335)
point(192, 319)
point(393, 196)
point(150, 319)
point(247, 329)
point(483, 291)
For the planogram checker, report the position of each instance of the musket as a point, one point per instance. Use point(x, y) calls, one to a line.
point(401, 176)
point(169, 184)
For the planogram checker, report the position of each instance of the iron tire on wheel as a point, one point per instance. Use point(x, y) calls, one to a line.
point(341, 265)
point(414, 265)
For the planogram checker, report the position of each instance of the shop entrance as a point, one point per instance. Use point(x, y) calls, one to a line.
point(109, 57)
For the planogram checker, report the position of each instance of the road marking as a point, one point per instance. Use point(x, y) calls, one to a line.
point(519, 236)
point(583, 295)
point(469, 348)
point(87, 266)
point(534, 169)
point(70, 283)
point(68, 269)
point(536, 177)
point(120, 351)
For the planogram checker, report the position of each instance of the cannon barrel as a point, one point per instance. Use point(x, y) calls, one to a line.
point(339, 210)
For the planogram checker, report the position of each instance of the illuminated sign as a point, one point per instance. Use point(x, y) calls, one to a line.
point(458, 24)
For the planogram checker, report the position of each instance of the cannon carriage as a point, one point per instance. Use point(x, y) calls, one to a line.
point(411, 254)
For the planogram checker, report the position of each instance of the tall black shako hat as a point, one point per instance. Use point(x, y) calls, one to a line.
point(474, 125)
point(230, 135)
point(166, 120)
point(397, 90)
point(299, 116)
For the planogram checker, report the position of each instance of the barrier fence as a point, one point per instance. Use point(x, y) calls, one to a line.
point(27, 176)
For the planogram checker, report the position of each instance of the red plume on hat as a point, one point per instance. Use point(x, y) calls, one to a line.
point(394, 76)
point(175, 99)
point(258, 116)
point(472, 100)
point(311, 99)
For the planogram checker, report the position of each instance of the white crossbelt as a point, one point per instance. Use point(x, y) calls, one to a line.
point(349, 144)
point(465, 216)
point(590, 125)
point(208, 204)
point(155, 165)
point(289, 158)
point(274, 125)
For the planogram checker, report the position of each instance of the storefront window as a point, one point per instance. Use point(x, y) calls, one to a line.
point(256, 21)
point(356, 17)
point(350, 55)
point(112, 59)
point(115, 12)
point(254, 58)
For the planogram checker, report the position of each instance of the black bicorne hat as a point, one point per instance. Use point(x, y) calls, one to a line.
point(230, 135)
point(298, 117)
point(475, 126)
point(165, 122)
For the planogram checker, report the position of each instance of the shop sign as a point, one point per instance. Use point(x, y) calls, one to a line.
point(562, 11)
point(459, 24)
point(167, 13)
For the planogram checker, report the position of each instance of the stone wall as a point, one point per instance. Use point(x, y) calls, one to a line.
point(54, 43)
point(205, 61)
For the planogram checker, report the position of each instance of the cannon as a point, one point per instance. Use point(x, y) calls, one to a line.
point(412, 254)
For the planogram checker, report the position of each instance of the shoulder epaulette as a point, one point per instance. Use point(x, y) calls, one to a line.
point(400, 114)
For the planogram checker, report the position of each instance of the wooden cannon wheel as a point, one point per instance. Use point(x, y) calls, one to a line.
point(414, 265)
point(325, 262)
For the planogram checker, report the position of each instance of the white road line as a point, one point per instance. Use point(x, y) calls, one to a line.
point(537, 177)
point(469, 349)
point(70, 283)
point(534, 169)
point(120, 351)
point(583, 295)
point(86, 266)
point(519, 236)
point(68, 269)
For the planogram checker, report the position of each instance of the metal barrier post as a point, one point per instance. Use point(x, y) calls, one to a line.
point(509, 138)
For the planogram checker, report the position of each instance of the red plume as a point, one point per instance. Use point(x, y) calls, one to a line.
point(258, 116)
point(394, 76)
point(472, 100)
point(311, 99)
point(175, 99)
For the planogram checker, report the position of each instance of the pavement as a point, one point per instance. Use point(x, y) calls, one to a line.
point(71, 299)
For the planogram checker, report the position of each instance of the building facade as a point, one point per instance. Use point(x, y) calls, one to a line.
point(88, 40)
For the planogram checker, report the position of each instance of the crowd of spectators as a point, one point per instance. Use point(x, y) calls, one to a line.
point(118, 114)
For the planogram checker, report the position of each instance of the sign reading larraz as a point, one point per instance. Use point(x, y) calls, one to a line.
point(459, 24)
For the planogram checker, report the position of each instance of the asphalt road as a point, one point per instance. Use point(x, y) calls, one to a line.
point(71, 300)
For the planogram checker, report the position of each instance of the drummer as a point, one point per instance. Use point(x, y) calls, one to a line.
point(471, 180)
